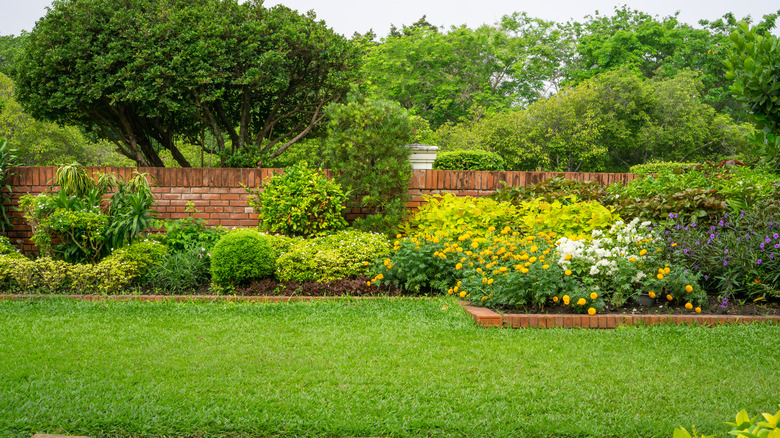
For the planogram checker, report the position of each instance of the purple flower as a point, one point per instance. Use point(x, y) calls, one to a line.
point(685, 251)
point(720, 223)
point(706, 277)
point(726, 216)
point(776, 236)
point(713, 228)
point(758, 262)
point(725, 262)
point(725, 302)
point(727, 224)
point(767, 240)
point(777, 245)
point(772, 256)
point(762, 245)
point(693, 225)
point(686, 228)
point(741, 214)
point(671, 215)
point(712, 236)
point(725, 251)
point(697, 242)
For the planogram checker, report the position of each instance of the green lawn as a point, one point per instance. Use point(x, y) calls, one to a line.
point(396, 367)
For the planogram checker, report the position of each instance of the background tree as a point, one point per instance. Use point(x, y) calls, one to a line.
point(10, 48)
point(143, 73)
point(754, 66)
point(39, 143)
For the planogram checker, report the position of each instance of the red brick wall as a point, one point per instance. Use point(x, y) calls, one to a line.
point(221, 200)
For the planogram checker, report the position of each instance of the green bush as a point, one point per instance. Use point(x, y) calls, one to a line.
point(572, 218)
point(6, 248)
point(45, 275)
point(658, 167)
point(365, 148)
point(180, 270)
point(342, 255)
point(190, 231)
point(554, 189)
point(241, 256)
point(472, 159)
point(146, 254)
point(300, 202)
point(281, 243)
point(449, 214)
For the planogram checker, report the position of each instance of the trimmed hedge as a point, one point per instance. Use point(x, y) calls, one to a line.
point(469, 160)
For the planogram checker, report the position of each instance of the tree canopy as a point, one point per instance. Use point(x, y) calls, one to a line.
point(143, 73)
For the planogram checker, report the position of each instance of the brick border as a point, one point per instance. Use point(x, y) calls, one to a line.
point(487, 318)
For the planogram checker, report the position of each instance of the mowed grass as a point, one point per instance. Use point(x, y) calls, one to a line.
point(387, 367)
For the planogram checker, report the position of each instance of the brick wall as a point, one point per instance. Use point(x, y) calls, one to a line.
point(221, 200)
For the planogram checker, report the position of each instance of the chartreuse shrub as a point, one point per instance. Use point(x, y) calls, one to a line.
point(241, 256)
point(46, 275)
point(471, 159)
point(300, 202)
point(743, 426)
point(345, 254)
point(574, 219)
point(145, 254)
point(506, 268)
point(450, 214)
point(281, 243)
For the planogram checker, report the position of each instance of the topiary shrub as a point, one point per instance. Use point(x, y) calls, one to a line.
point(146, 254)
point(469, 160)
point(241, 256)
point(342, 255)
point(300, 202)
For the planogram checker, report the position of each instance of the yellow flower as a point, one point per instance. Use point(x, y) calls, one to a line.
point(666, 271)
point(643, 252)
point(593, 295)
point(568, 257)
point(674, 244)
point(502, 269)
point(669, 297)
point(591, 311)
point(698, 310)
point(566, 299)
point(532, 259)
point(450, 291)
point(651, 294)
point(555, 299)
point(660, 276)
point(397, 236)
point(688, 288)
point(688, 306)
point(455, 289)
point(368, 283)
point(490, 281)
point(458, 266)
point(463, 294)
point(524, 271)
point(479, 269)
point(581, 301)
point(545, 266)
point(483, 298)
point(475, 244)
point(568, 272)
point(459, 282)
point(546, 251)
point(534, 248)
point(661, 270)
point(491, 228)
point(632, 259)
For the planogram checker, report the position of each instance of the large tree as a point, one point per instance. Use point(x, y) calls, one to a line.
point(144, 73)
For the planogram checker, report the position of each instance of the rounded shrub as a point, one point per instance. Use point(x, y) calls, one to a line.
point(658, 167)
point(146, 254)
point(241, 256)
point(342, 255)
point(469, 160)
point(300, 202)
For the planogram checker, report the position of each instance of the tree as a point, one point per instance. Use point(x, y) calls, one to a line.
point(143, 73)
point(10, 48)
point(442, 75)
point(40, 143)
point(754, 66)
point(609, 123)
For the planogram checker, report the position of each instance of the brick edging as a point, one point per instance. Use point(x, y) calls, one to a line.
point(488, 318)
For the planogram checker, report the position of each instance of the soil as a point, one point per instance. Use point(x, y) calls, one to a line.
point(358, 287)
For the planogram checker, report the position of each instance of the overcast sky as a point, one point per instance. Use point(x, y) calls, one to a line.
point(348, 16)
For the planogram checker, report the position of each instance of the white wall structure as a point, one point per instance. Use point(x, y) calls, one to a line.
point(422, 155)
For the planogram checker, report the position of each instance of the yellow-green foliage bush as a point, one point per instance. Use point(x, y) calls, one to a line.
point(571, 218)
point(342, 255)
point(146, 254)
point(45, 275)
point(450, 214)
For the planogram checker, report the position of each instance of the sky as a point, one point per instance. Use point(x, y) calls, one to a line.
point(349, 16)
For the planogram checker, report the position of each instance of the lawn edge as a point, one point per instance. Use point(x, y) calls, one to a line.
point(488, 318)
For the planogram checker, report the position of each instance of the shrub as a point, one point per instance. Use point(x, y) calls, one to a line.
point(554, 189)
point(281, 243)
point(145, 254)
point(572, 219)
point(658, 167)
point(449, 214)
point(241, 256)
point(8, 159)
point(472, 159)
point(189, 231)
point(180, 270)
point(45, 275)
point(6, 248)
point(365, 148)
point(342, 255)
point(300, 202)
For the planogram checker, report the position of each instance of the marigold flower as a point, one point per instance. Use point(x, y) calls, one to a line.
point(632, 259)
point(368, 283)
point(502, 269)
point(667, 270)
point(458, 266)
point(688, 306)
point(591, 311)
point(483, 298)
point(491, 228)
point(380, 276)
point(593, 295)
point(450, 291)
point(568, 257)
point(532, 259)
point(643, 252)
point(545, 266)
point(490, 281)
point(660, 276)
point(463, 294)
point(698, 310)
point(581, 301)
point(566, 299)
point(669, 297)
point(555, 299)
point(688, 288)
point(651, 294)
point(568, 272)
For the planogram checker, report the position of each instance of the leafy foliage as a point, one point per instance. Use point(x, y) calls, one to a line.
point(241, 256)
point(468, 160)
point(452, 214)
point(658, 167)
point(300, 202)
point(255, 78)
point(566, 217)
point(181, 270)
point(187, 232)
point(753, 65)
point(45, 275)
point(8, 159)
point(366, 151)
point(345, 254)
